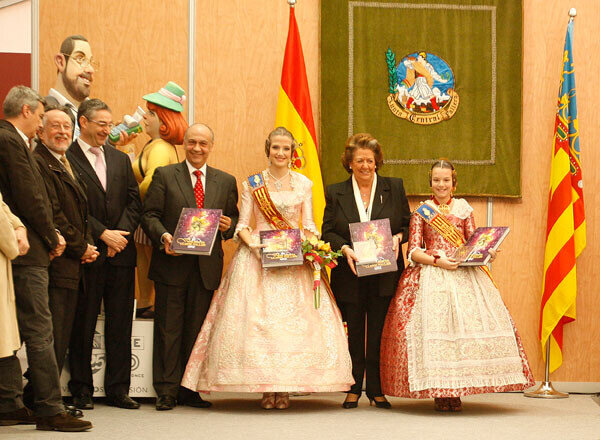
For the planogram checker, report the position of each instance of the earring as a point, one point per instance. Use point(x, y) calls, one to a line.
point(290, 165)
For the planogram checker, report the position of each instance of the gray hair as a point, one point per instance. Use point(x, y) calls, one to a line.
point(90, 106)
point(19, 96)
point(63, 108)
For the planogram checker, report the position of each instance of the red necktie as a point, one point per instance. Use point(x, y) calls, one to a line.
point(199, 189)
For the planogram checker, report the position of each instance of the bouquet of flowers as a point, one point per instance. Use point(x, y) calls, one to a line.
point(319, 254)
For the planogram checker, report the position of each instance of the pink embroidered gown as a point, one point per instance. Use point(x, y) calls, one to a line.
point(448, 333)
point(262, 332)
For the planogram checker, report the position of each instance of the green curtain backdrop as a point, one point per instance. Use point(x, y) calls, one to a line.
point(480, 40)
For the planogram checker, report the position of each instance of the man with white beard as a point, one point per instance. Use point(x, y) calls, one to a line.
point(70, 215)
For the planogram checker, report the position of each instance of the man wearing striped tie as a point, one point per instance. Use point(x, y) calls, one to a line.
point(184, 283)
point(69, 210)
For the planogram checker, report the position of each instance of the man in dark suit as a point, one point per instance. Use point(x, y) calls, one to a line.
point(184, 283)
point(25, 193)
point(114, 211)
point(69, 206)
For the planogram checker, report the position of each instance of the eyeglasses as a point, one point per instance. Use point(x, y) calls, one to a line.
point(103, 124)
point(84, 62)
point(56, 126)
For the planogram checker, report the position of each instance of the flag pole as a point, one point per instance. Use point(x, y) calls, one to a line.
point(546, 390)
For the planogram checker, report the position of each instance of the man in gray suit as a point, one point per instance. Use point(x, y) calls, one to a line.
point(184, 283)
point(24, 192)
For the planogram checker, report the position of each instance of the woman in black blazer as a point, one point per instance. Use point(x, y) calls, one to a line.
point(364, 196)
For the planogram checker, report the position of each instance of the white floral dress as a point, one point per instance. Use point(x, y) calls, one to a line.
point(262, 332)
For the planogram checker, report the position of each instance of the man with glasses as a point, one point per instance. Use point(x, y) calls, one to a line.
point(70, 212)
point(75, 68)
point(24, 192)
point(114, 212)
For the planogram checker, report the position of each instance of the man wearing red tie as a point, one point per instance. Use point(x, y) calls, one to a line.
point(184, 283)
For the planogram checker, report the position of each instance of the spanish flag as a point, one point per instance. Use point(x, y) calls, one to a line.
point(565, 232)
point(294, 112)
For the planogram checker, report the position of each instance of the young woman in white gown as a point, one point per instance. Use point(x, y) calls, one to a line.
point(263, 332)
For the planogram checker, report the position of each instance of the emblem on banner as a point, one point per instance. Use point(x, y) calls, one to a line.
point(421, 88)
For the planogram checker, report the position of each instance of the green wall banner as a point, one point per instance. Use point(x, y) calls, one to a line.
point(429, 79)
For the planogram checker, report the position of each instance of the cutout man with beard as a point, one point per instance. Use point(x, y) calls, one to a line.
point(75, 67)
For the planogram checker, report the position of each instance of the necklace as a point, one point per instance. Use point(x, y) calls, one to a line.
point(277, 182)
point(444, 208)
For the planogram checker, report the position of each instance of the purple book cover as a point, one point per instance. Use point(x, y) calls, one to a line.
point(284, 248)
point(372, 243)
point(196, 231)
point(476, 251)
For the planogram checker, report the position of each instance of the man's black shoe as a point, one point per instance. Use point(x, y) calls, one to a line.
point(70, 409)
point(83, 401)
point(165, 403)
point(196, 401)
point(122, 401)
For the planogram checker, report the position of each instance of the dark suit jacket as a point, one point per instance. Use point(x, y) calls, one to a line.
point(119, 207)
point(24, 192)
point(171, 191)
point(340, 210)
point(69, 206)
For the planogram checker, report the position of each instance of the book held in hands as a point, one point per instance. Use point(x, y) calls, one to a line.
point(196, 231)
point(476, 251)
point(372, 243)
point(283, 248)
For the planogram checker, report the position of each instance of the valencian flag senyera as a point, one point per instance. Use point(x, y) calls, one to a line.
point(565, 234)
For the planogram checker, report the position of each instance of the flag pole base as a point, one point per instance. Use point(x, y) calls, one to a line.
point(546, 391)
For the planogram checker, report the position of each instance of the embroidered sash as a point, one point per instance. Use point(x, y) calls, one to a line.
point(261, 196)
point(447, 230)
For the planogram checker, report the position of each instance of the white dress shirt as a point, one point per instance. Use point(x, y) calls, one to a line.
point(191, 170)
point(62, 100)
point(24, 136)
point(85, 147)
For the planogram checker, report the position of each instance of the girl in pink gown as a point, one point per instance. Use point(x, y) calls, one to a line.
point(447, 332)
point(263, 332)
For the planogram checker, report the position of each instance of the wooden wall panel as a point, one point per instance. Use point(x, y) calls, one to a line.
point(239, 55)
point(140, 44)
